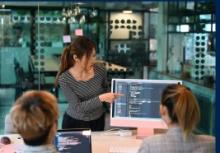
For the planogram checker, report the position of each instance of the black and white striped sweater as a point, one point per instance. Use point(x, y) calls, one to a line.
point(82, 96)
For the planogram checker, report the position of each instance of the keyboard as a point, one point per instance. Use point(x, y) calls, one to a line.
point(123, 149)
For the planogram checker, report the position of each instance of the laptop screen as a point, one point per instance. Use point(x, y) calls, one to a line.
point(73, 140)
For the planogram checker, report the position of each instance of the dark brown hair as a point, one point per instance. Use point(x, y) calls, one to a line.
point(182, 107)
point(33, 115)
point(80, 46)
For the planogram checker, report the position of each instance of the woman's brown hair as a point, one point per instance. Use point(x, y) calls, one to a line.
point(79, 47)
point(182, 107)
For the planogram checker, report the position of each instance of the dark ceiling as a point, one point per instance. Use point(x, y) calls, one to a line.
point(139, 6)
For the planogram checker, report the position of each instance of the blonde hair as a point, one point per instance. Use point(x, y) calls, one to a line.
point(34, 114)
point(182, 107)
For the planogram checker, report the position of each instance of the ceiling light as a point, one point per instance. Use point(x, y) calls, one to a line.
point(127, 11)
point(82, 19)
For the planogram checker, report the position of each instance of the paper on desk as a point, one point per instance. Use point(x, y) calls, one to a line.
point(10, 148)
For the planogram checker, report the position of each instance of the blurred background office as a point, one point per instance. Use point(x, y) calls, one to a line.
point(151, 40)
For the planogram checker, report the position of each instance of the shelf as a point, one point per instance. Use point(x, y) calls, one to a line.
point(129, 39)
point(174, 32)
point(193, 13)
point(171, 23)
point(178, 13)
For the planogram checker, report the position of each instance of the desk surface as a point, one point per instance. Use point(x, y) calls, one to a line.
point(101, 142)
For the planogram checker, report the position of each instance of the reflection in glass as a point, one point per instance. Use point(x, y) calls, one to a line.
point(205, 17)
point(182, 28)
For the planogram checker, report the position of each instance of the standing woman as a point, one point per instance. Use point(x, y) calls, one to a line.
point(180, 111)
point(84, 85)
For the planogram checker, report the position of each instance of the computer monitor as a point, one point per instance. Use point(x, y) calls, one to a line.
point(139, 105)
point(73, 140)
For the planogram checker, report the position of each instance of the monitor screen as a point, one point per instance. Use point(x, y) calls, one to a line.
point(139, 105)
point(73, 140)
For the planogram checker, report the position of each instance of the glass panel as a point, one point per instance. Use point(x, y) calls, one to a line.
point(146, 25)
point(89, 30)
point(194, 54)
point(15, 29)
point(172, 7)
point(153, 52)
point(188, 19)
point(15, 45)
point(211, 44)
point(56, 28)
point(173, 19)
point(172, 28)
point(190, 5)
point(214, 18)
point(182, 6)
point(123, 53)
point(183, 28)
point(205, 17)
point(132, 40)
point(49, 33)
point(152, 39)
point(153, 24)
point(175, 53)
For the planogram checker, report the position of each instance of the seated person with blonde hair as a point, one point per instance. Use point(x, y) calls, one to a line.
point(180, 111)
point(34, 116)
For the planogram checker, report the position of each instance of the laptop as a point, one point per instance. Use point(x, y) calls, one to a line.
point(73, 140)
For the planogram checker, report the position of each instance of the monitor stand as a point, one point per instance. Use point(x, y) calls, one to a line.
point(146, 132)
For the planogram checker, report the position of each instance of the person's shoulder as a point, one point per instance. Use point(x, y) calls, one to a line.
point(206, 142)
point(154, 138)
point(63, 77)
point(64, 74)
point(100, 67)
point(205, 138)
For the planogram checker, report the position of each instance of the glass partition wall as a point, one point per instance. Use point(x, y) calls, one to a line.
point(15, 44)
point(32, 39)
point(191, 41)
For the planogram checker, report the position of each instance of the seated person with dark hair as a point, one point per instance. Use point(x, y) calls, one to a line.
point(180, 111)
point(34, 116)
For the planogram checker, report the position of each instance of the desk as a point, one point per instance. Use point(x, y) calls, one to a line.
point(101, 141)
